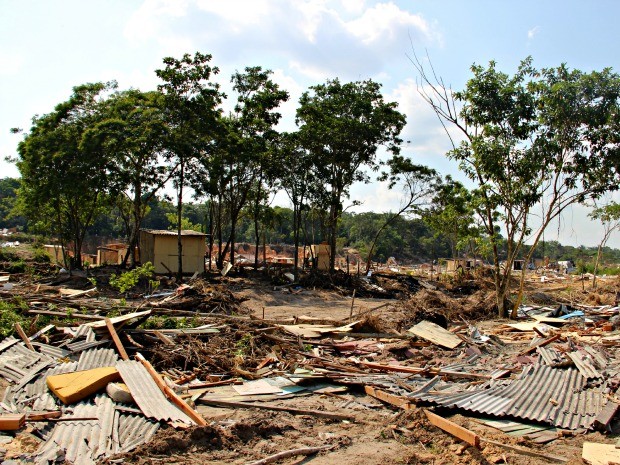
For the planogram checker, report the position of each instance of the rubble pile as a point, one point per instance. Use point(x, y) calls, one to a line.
point(103, 377)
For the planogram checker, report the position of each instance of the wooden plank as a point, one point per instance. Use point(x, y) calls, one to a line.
point(163, 338)
point(116, 339)
point(595, 453)
point(392, 399)
point(531, 349)
point(435, 334)
point(424, 371)
point(452, 428)
point(22, 334)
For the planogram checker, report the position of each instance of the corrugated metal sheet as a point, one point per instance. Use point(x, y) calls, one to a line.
point(97, 358)
point(80, 346)
point(551, 356)
point(584, 363)
point(8, 342)
point(542, 393)
point(35, 395)
point(52, 351)
point(134, 430)
point(147, 395)
point(83, 441)
point(164, 232)
point(17, 361)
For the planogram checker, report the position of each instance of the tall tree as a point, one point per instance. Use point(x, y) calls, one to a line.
point(192, 107)
point(547, 137)
point(344, 125)
point(133, 131)
point(65, 181)
point(609, 216)
point(241, 165)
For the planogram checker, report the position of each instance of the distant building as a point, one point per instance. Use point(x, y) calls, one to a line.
point(160, 248)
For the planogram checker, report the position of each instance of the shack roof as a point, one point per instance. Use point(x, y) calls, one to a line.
point(164, 232)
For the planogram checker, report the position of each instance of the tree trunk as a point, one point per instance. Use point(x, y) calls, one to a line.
point(210, 233)
point(599, 253)
point(179, 220)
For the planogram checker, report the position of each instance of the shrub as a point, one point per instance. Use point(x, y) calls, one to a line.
point(130, 279)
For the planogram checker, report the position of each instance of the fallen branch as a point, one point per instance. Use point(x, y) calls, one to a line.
point(291, 453)
point(524, 451)
point(297, 411)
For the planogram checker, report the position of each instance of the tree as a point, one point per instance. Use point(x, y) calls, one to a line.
point(451, 213)
point(548, 138)
point(609, 216)
point(191, 103)
point(8, 201)
point(297, 178)
point(64, 181)
point(240, 166)
point(343, 125)
point(417, 183)
point(132, 132)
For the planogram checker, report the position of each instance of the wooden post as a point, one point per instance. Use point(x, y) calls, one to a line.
point(116, 339)
point(22, 334)
point(352, 302)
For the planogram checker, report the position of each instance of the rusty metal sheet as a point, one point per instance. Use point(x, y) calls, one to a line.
point(542, 393)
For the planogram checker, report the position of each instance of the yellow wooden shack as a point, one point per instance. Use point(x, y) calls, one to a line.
point(320, 253)
point(160, 248)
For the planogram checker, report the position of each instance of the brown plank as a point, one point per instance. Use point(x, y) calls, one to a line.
point(531, 349)
point(22, 334)
point(452, 428)
point(12, 421)
point(392, 399)
point(116, 339)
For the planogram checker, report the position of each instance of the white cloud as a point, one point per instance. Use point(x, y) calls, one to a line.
point(533, 32)
point(385, 21)
point(10, 63)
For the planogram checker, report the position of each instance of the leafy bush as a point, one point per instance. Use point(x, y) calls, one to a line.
point(130, 279)
point(41, 256)
point(9, 315)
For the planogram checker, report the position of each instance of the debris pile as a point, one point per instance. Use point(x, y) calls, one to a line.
point(104, 378)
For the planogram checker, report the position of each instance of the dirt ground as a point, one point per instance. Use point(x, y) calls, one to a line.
point(377, 433)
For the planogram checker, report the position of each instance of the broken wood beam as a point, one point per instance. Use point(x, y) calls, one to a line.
point(452, 428)
point(393, 399)
point(116, 339)
point(531, 349)
point(23, 336)
point(525, 451)
point(170, 394)
point(424, 371)
point(265, 406)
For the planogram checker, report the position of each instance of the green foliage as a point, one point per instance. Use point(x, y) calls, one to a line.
point(130, 279)
point(10, 313)
point(41, 256)
point(244, 345)
point(343, 125)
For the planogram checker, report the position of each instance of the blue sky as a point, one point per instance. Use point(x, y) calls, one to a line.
point(48, 47)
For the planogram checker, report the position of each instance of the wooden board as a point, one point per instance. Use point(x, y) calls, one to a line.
point(12, 421)
point(435, 334)
point(595, 453)
point(452, 428)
